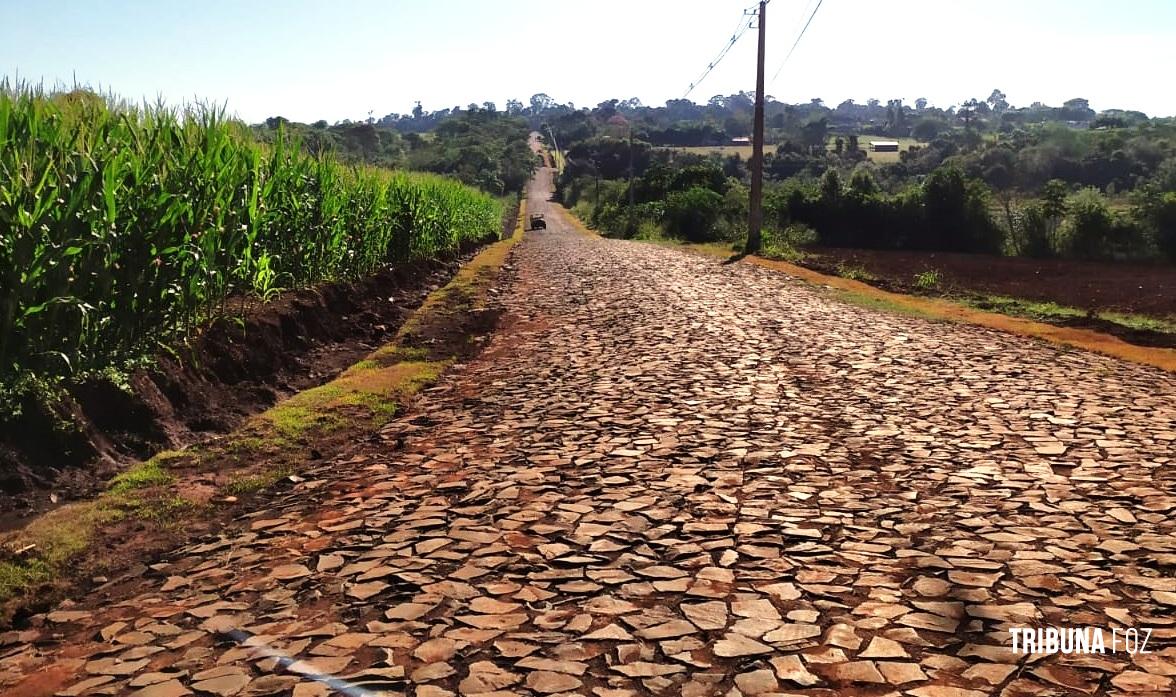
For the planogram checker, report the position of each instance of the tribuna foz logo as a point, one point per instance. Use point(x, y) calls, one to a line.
point(1079, 640)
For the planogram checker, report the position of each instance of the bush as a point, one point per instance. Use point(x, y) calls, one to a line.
point(1157, 211)
point(1088, 232)
point(1093, 231)
point(927, 280)
point(1163, 218)
point(957, 215)
point(649, 231)
point(787, 244)
point(692, 214)
point(1033, 232)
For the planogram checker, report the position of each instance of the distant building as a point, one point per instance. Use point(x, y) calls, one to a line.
point(741, 140)
point(884, 145)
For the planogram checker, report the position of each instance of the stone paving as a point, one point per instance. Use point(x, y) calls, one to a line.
point(671, 476)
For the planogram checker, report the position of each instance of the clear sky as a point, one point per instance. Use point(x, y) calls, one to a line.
point(316, 59)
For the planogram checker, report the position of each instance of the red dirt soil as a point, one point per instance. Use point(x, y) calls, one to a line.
point(1147, 289)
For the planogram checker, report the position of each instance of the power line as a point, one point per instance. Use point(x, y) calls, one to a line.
point(797, 42)
point(740, 29)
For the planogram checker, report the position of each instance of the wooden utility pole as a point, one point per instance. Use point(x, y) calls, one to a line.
point(631, 227)
point(755, 214)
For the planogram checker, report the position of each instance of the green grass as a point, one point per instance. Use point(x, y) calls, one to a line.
point(1046, 311)
point(253, 483)
point(143, 475)
point(1145, 322)
point(744, 151)
point(871, 302)
point(854, 272)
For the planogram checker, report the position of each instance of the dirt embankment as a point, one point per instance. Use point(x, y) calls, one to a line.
point(237, 367)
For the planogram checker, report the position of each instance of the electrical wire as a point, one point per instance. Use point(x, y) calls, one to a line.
point(797, 42)
point(740, 30)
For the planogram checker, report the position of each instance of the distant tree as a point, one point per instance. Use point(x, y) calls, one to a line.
point(921, 103)
point(967, 111)
point(830, 187)
point(896, 123)
point(862, 182)
point(927, 129)
point(815, 133)
point(418, 111)
point(817, 102)
point(490, 107)
point(997, 101)
point(540, 103)
point(1109, 121)
point(1077, 109)
point(606, 109)
point(514, 107)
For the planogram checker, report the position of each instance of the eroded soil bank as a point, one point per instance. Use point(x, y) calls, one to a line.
point(237, 367)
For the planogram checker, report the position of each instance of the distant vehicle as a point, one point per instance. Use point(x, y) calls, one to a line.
point(537, 222)
point(884, 145)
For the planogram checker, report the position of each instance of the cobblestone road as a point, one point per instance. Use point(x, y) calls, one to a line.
point(671, 476)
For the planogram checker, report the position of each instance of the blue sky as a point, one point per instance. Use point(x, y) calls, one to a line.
point(308, 60)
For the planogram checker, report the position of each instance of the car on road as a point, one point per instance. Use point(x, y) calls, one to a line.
point(537, 222)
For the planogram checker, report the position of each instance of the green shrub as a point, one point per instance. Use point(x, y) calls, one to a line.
point(1158, 212)
point(1033, 230)
point(927, 280)
point(1092, 231)
point(649, 231)
point(854, 273)
point(692, 214)
point(957, 215)
point(787, 244)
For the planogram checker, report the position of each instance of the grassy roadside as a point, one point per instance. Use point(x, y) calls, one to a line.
point(156, 501)
point(1051, 311)
point(1005, 319)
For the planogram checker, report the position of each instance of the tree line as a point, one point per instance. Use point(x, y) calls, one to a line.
point(983, 177)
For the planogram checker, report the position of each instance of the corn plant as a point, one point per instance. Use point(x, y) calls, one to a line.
point(122, 228)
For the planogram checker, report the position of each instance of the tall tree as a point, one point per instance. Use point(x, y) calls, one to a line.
point(998, 101)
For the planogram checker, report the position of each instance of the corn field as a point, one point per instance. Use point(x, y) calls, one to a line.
point(122, 229)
